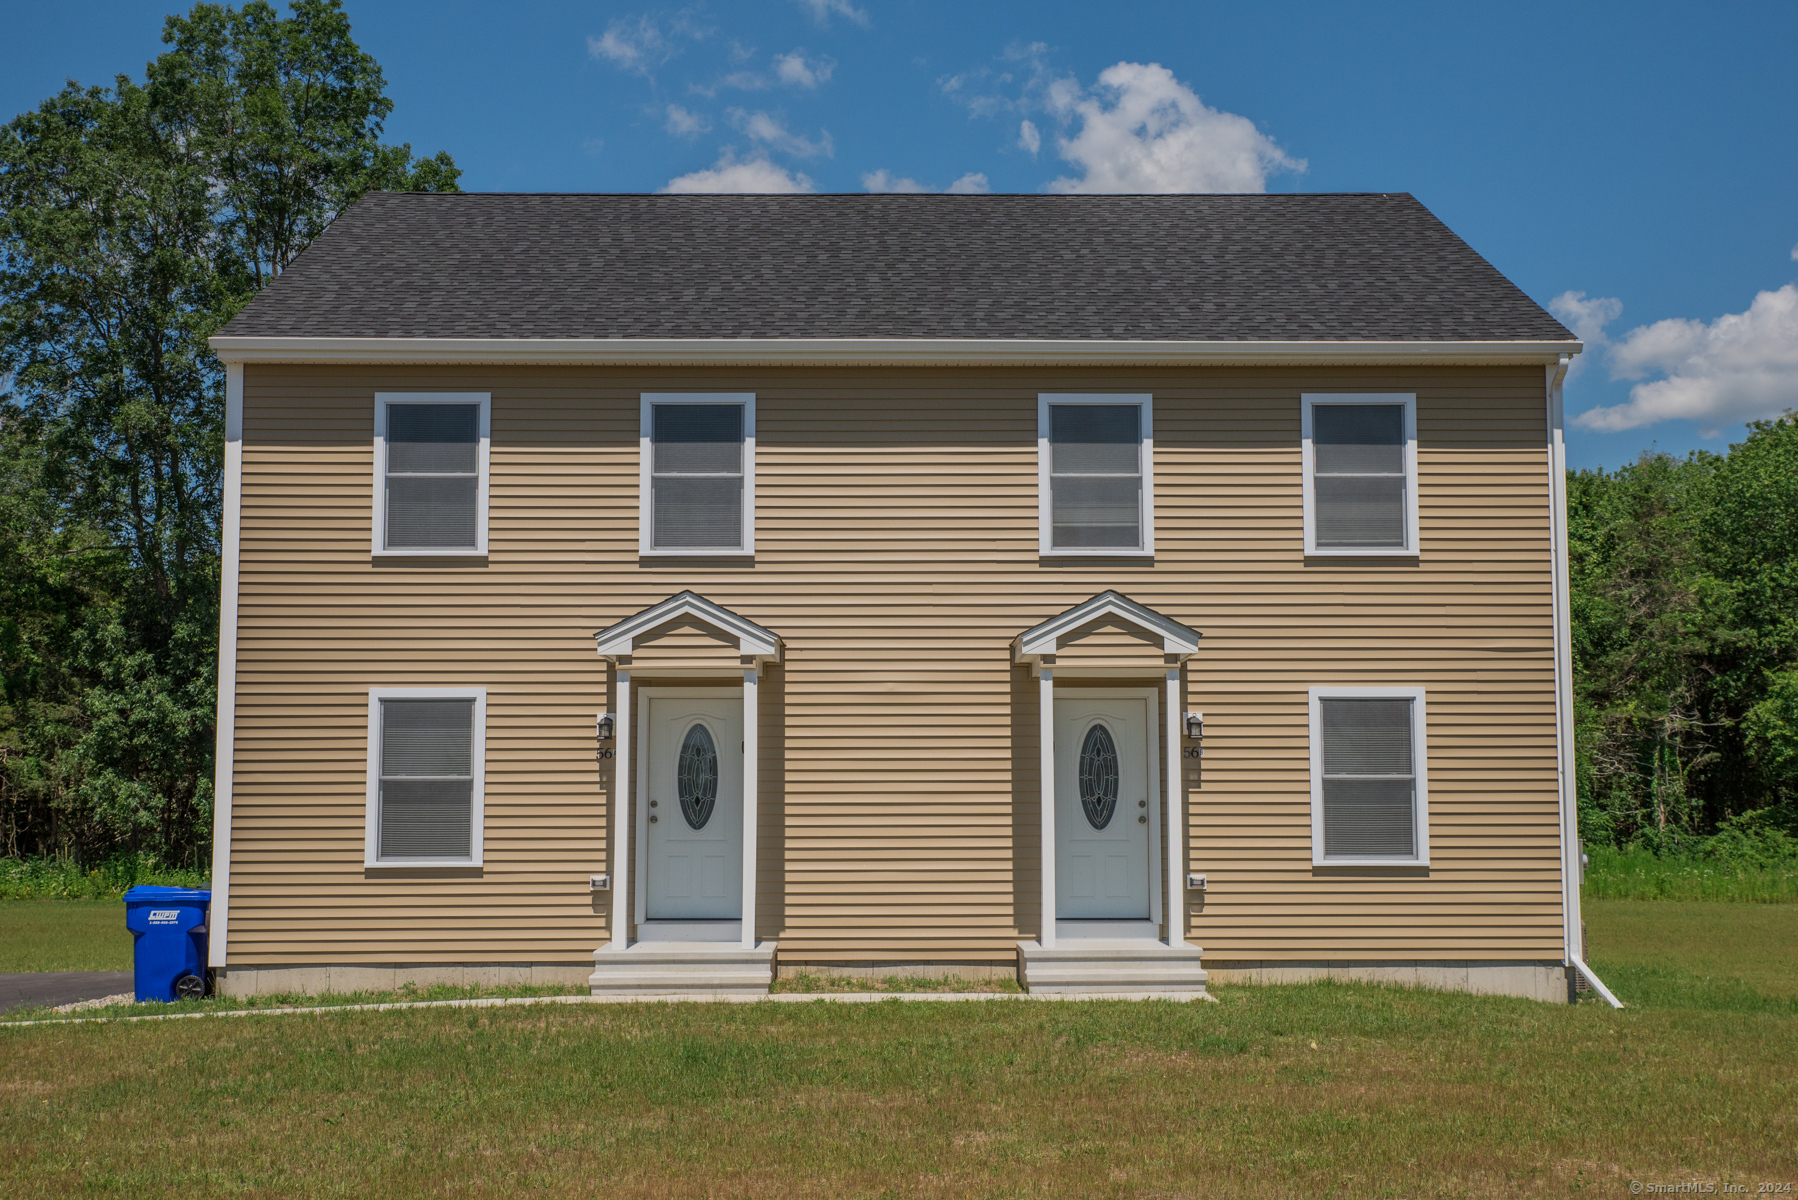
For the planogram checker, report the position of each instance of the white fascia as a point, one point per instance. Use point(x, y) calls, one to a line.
point(878, 351)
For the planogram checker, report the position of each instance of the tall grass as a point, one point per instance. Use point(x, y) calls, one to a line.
point(1634, 873)
point(61, 879)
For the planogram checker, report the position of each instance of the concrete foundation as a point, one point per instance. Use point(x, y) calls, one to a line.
point(1530, 980)
point(904, 970)
point(243, 982)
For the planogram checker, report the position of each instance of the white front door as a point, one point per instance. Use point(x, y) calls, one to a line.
point(693, 869)
point(1105, 807)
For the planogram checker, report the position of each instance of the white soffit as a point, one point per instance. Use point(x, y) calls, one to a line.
point(751, 638)
point(871, 351)
point(1041, 639)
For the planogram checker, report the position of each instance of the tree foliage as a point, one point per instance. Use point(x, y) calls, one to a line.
point(1685, 614)
point(134, 221)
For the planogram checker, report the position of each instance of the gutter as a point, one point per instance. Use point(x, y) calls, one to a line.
point(1572, 930)
point(896, 352)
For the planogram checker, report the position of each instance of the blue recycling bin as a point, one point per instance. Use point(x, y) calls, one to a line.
point(169, 924)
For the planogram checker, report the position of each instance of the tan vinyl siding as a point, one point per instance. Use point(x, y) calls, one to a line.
point(896, 539)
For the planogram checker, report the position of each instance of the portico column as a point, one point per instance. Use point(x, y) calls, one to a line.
point(1046, 705)
point(751, 744)
point(621, 814)
point(1176, 819)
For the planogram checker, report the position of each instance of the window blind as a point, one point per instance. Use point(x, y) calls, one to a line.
point(1359, 475)
point(696, 476)
point(1369, 781)
point(427, 779)
point(433, 477)
point(1095, 476)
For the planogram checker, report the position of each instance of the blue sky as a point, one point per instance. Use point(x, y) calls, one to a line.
point(1642, 156)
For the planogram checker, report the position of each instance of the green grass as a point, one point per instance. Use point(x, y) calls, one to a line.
point(1325, 1089)
point(64, 935)
point(1637, 874)
point(1694, 955)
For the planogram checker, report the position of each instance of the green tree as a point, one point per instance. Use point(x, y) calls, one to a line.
point(134, 221)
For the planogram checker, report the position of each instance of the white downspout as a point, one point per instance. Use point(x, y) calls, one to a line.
point(1564, 745)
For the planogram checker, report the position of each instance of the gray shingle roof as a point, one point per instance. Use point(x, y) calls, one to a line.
point(1234, 268)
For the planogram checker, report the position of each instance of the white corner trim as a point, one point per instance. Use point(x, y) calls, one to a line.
point(1419, 767)
point(230, 555)
point(646, 460)
point(477, 767)
point(1045, 533)
point(483, 461)
point(876, 351)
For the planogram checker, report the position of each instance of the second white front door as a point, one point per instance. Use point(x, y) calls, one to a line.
point(1105, 807)
point(694, 867)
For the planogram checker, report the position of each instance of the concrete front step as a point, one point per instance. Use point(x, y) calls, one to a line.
point(683, 969)
point(1121, 967)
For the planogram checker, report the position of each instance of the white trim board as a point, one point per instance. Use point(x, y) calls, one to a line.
point(1420, 804)
point(1308, 463)
point(231, 554)
point(1145, 450)
point(483, 459)
point(477, 767)
point(878, 351)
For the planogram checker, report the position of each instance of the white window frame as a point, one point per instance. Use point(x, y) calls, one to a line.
point(1044, 496)
point(1308, 457)
point(645, 469)
point(477, 767)
point(1419, 768)
point(483, 428)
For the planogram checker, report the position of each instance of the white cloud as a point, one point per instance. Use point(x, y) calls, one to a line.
point(1029, 139)
point(1587, 319)
point(1795, 253)
point(635, 46)
point(1739, 367)
point(821, 10)
point(972, 184)
point(684, 124)
point(1145, 131)
point(800, 71)
point(731, 174)
point(771, 133)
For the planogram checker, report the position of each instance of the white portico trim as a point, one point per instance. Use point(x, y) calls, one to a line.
point(1037, 646)
point(756, 646)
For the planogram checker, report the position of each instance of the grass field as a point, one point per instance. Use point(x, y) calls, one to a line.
point(64, 935)
point(1316, 1090)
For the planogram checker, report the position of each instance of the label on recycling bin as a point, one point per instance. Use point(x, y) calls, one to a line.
point(164, 916)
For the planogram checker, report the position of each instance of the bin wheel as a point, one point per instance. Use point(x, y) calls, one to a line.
point(190, 987)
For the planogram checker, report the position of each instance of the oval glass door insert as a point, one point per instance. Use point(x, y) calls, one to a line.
point(696, 776)
point(1098, 776)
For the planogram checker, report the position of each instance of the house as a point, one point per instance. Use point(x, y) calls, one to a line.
point(670, 592)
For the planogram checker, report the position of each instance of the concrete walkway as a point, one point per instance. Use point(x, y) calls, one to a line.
point(60, 987)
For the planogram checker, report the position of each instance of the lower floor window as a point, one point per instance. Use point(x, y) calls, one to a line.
point(425, 776)
point(1368, 793)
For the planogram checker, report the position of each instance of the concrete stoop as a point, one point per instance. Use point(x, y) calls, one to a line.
point(1120, 968)
point(688, 970)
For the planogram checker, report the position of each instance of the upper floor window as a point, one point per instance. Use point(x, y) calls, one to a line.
point(1369, 793)
point(1360, 463)
point(431, 452)
point(1095, 474)
point(698, 474)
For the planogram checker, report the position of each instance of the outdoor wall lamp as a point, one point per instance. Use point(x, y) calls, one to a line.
point(1195, 725)
point(607, 727)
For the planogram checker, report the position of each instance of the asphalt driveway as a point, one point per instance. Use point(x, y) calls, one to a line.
point(60, 987)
